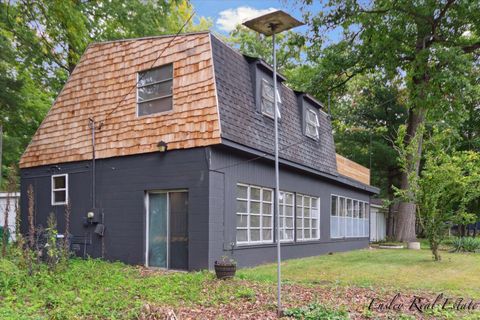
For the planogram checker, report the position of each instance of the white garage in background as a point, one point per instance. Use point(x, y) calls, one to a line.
point(4, 196)
point(378, 220)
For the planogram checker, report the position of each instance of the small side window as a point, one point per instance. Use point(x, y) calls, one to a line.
point(311, 124)
point(154, 90)
point(59, 189)
point(267, 99)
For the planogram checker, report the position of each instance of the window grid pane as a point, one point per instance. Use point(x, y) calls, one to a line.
point(308, 217)
point(254, 214)
point(154, 90)
point(286, 216)
point(348, 218)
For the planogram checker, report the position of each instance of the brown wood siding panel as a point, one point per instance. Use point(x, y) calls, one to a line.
point(104, 76)
point(353, 170)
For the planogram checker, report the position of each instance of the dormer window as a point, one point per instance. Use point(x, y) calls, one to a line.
point(311, 124)
point(154, 90)
point(267, 99)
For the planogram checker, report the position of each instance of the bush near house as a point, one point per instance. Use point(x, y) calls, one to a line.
point(466, 244)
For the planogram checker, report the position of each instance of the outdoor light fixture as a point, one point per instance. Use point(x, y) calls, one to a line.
point(269, 25)
point(90, 215)
point(162, 146)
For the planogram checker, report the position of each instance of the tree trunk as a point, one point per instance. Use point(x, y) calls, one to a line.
point(1, 154)
point(405, 227)
point(436, 255)
point(390, 215)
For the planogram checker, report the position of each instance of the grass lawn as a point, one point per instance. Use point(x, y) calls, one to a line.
point(394, 269)
point(343, 283)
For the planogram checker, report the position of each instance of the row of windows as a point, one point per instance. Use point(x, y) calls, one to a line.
point(349, 218)
point(155, 95)
point(299, 216)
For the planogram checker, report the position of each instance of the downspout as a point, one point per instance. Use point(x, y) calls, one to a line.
point(92, 126)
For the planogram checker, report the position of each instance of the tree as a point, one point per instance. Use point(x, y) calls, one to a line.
point(23, 102)
point(431, 45)
point(290, 46)
point(41, 42)
point(52, 35)
point(365, 120)
point(444, 192)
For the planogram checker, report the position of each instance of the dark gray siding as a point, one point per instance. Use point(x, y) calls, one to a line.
point(121, 186)
point(229, 167)
point(243, 123)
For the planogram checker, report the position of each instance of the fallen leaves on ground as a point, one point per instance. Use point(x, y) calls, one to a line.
point(261, 304)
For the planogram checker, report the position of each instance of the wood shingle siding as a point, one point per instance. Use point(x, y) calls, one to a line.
point(104, 76)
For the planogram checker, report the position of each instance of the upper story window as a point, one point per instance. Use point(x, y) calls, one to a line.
point(267, 99)
point(59, 189)
point(312, 124)
point(154, 90)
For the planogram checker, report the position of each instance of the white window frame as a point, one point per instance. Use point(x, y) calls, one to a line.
point(315, 123)
point(283, 217)
point(359, 225)
point(300, 234)
point(156, 98)
point(53, 189)
point(279, 100)
point(248, 214)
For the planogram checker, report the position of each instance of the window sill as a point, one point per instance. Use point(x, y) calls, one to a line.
point(295, 243)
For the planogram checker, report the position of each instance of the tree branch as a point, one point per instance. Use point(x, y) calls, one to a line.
point(471, 48)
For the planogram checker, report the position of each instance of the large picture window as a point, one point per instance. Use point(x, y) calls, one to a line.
point(286, 216)
point(348, 218)
point(307, 217)
point(254, 214)
point(59, 189)
point(154, 90)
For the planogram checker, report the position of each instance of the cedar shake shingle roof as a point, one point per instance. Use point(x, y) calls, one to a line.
point(213, 101)
point(105, 74)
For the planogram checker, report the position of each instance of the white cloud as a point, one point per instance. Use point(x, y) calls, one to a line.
point(230, 18)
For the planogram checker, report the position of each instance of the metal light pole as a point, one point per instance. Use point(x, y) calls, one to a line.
point(270, 24)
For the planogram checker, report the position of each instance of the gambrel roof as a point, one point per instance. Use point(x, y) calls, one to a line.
point(214, 102)
point(105, 76)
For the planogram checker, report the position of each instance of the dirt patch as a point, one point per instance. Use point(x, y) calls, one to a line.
point(262, 304)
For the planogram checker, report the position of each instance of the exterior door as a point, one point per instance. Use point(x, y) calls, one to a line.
point(167, 230)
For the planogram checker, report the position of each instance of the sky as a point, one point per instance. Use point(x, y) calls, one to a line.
point(226, 14)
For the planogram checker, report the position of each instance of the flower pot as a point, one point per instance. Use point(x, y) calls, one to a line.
point(225, 271)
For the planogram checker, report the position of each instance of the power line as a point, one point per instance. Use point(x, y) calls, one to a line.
point(151, 66)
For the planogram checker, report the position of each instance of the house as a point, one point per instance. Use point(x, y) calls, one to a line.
point(11, 199)
point(183, 172)
point(378, 220)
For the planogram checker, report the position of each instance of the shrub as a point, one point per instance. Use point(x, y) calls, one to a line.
point(316, 311)
point(1, 233)
point(466, 244)
point(471, 244)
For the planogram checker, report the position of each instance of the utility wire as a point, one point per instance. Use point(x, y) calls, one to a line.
point(151, 66)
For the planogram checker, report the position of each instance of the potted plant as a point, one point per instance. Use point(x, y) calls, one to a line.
point(225, 268)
